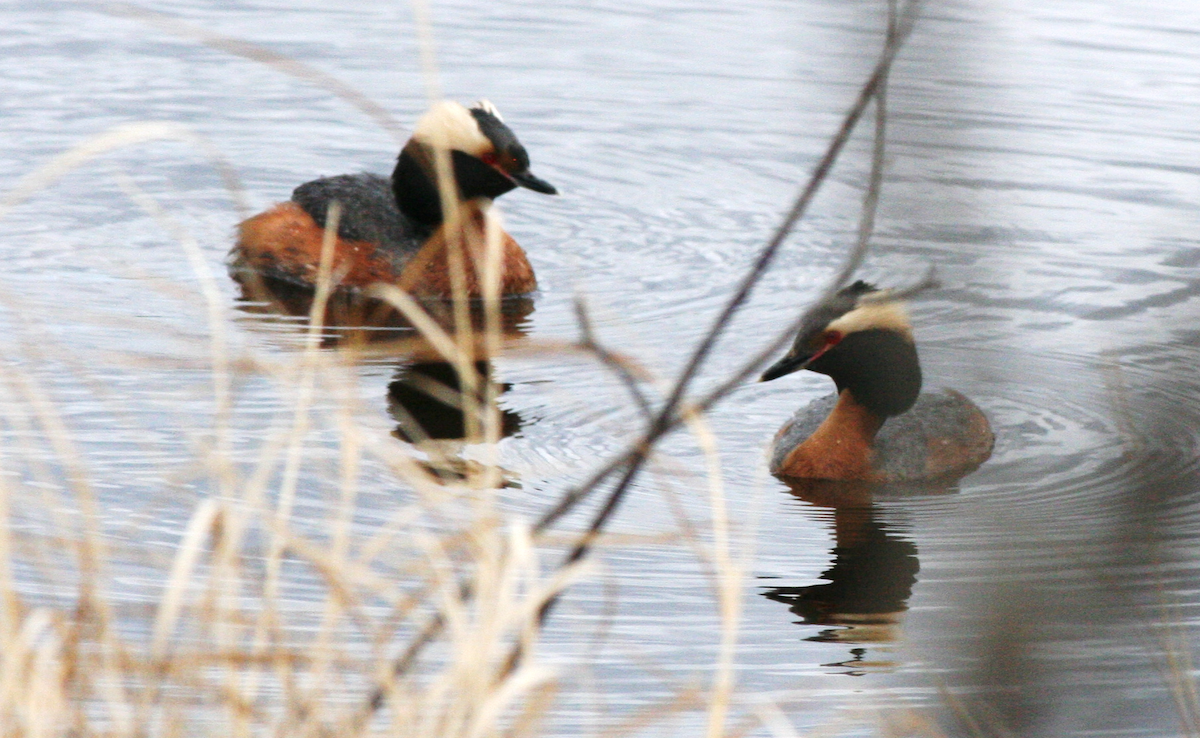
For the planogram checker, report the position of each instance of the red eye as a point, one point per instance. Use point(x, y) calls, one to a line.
point(832, 338)
point(489, 158)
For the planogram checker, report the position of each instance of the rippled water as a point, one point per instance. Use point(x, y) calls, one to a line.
point(1042, 156)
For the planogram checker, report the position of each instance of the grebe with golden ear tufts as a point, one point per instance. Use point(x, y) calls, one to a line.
point(879, 427)
point(393, 230)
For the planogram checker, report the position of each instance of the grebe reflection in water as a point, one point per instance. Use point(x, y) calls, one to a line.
point(866, 589)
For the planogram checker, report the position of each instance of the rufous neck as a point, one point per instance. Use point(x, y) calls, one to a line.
point(841, 447)
point(852, 421)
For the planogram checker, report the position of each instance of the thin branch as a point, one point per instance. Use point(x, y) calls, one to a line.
point(636, 454)
point(670, 415)
point(402, 665)
point(588, 342)
point(668, 418)
point(870, 206)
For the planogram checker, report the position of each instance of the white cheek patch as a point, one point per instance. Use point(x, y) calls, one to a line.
point(449, 125)
point(883, 314)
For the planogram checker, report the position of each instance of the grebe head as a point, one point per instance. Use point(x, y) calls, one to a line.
point(485, 155)
point(482, 147)
point(863, 341)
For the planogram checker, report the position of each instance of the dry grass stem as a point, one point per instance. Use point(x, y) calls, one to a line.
point(265, 56)
point(118, 137)
point(418, 614)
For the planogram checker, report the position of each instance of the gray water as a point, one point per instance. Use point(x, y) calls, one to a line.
point(1044, 156)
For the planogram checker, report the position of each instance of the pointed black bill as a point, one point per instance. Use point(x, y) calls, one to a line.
point(786, 365)
point(530, 182)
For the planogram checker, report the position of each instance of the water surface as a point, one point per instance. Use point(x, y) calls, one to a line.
point(1043, 157)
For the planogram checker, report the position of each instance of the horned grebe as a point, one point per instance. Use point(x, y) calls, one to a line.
point(394, 231)
point(878, 428)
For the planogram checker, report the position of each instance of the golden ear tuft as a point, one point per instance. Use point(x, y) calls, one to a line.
point(874, 314)
point(487, 107)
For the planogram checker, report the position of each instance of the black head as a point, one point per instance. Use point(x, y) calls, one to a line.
point(485, 155)
point(862, 341)
point(507, 156)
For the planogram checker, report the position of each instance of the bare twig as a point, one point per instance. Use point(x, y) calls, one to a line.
point(666, 421)
point(866, 220)
point(588, 342)
point(669, 416)
point(673, 411)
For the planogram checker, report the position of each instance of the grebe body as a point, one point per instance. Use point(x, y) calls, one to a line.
point(943, 436)
point(393, 230)
point(879, 427)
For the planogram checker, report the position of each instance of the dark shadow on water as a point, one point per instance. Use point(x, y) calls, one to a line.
point(426, 396)
point(867, 587)
point(351, 318)
point(425, 399)
point(866, 590)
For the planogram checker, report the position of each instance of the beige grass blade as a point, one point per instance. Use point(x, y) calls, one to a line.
point(129, 134)
point(263, 55)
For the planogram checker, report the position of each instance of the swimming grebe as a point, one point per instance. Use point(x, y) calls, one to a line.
point(394, 231)
point(878, 428)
